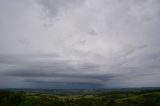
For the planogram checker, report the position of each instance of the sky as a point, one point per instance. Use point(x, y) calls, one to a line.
point(79, 43)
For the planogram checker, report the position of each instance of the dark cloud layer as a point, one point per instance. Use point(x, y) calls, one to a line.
point(53, 72)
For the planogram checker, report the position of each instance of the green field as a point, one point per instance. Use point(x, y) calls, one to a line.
point(122, 97)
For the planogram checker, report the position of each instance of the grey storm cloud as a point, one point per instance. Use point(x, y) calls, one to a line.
point(54, 72)
point(79, 43)
point(53, 7)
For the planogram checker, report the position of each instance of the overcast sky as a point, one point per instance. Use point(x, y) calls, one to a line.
point(79, 43)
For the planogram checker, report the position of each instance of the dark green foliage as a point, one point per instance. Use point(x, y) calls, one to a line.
point(140, 98)
point(8, 98)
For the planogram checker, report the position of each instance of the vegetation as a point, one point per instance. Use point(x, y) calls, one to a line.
point(81, 98)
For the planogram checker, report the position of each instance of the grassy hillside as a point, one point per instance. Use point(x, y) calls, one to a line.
point(81, 98)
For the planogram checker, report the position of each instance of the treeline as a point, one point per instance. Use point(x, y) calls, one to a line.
point(8, 98)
